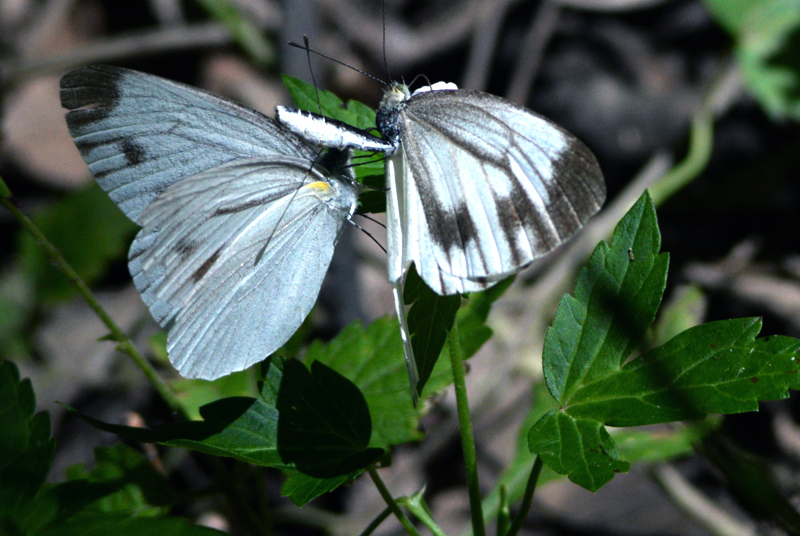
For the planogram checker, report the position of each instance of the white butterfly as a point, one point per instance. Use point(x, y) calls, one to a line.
point(239, 216)
point(477, 186)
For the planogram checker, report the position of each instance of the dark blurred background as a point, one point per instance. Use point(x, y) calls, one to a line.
point(626, 76)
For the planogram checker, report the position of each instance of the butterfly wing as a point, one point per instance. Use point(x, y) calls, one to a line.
point(231, 260)
point(487, 187)
point(139, 133)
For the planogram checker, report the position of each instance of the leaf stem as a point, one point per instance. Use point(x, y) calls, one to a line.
point(401, 517)
point(527, 499)
point(124, 344)
point(465, 427)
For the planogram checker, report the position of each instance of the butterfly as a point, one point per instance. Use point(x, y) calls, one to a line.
point(477, 187)
point(239, 216)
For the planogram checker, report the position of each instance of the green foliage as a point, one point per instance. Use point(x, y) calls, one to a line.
point(719, 367)
point(767, 35)
point(122, 495)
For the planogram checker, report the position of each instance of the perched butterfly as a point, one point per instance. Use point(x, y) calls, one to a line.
point(239, 216)
point(477, 186)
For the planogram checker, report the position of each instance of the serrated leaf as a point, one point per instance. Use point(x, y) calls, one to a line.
point(88, 229)
point(615, 302)
point(718, 367)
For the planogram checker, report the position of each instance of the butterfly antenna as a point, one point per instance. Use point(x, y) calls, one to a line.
point(320, 54)
point(357, 226)
point(373, 220)
point(427, 80)
point(385, 64)
point(311, 70)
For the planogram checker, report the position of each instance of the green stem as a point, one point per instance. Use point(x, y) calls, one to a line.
point(701, 141)
point(527, 499)
point(395, 508)
point(124, 344)
point(376, 522)
point(465, 426)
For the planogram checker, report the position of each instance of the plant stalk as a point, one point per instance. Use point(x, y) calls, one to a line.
point(465, 427)
point(395, 508)
point(527, 498)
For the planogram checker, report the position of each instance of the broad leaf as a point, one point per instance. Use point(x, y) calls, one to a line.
point(305, 421)
point(718, 367)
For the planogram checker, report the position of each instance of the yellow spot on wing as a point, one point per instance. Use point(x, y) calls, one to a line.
point(321, 187)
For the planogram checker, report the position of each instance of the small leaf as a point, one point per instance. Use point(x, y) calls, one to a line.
point(314, 422)
point(135, 487)
point(430, 319)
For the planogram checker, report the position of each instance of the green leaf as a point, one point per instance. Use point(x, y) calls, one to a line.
point(315, 422)
point(302, 489)
point(430, 319)
point(767, 34)
point(719, 367)
point(88, 229)
point(26, 448)
point(324, 426)
point(136, 487)
point(615, 302)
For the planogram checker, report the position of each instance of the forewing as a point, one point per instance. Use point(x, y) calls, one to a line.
point(497, 185)
point(231, 260)
point(139, 133)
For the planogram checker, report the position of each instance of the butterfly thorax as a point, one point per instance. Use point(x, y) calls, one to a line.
point(387, 118)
